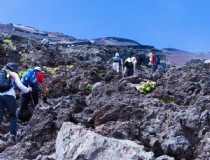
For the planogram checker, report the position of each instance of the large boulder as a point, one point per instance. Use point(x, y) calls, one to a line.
point(74, 142)
point(178, 147)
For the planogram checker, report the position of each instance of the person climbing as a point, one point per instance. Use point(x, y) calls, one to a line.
point(9, 77)
point(134, 64)
point(33, 78)
point(45, 42)
point(116, 62)
point(142, 60)
point(129, 66)
point(152, 62)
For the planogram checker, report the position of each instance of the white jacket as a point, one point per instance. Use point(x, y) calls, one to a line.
point(16, 80)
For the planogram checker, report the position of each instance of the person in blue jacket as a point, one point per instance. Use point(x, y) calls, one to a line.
point(116, 62)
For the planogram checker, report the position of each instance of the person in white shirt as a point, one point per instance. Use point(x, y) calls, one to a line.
point(8, 98)
point(130, 65)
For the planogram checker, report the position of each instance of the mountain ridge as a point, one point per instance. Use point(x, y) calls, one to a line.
point(176, 56)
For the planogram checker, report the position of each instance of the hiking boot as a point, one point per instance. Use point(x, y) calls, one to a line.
point(11, 140)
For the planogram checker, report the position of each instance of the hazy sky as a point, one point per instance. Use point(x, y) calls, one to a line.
point(181, 24)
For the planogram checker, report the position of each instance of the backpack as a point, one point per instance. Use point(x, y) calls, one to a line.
point(116, 59)
point(29, 78)
point(157, 59)
point(5, 81)
point(129, 64)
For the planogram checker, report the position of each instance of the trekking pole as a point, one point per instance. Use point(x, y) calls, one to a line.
point(31, 97)
point(122, 66)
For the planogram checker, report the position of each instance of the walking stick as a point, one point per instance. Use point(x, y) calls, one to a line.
point(122, 67)
point(31, 97)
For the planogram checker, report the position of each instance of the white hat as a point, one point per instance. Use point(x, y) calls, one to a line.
point(149, 54)
point(38, 68)
point(117, 54)
point(133, 58)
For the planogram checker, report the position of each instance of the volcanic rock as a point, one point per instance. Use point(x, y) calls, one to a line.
point(75, 142)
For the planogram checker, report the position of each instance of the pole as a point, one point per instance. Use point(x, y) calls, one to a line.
point(31, 97)
point(122, 66)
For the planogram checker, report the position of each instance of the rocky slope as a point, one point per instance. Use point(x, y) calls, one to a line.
point(113, 41)
point(175, 56)
point(170, 122)
point(59, 38)
point(30, 32)
point(179, 57)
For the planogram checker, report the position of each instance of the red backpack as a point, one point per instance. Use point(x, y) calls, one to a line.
point(153, 58)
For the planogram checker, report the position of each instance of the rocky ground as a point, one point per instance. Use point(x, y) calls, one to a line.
point(105, 115)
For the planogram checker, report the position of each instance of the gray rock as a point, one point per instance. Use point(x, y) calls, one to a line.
point(178, 147)
point(96, 87)
point(74, 142)
point(2, 145)
point(165, 157)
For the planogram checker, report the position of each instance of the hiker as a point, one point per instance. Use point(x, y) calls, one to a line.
point(45, 42)
point(141, 60)
point(33, 77)
point(9, 77)
point(116, 62)
point(152, 62)
point(134, 64)
point(130, 63)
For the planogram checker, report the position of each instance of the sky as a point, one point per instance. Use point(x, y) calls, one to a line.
point(180, 24)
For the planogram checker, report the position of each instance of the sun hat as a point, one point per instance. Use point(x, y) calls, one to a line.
point(38, 68)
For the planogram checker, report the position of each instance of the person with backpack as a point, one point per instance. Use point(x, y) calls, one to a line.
point(157, 58)
point(130, 66)
point(153, 62)
point(33, 78)
point(9, 77)
point(45, 42)
point(116, 62)
point(134, 64)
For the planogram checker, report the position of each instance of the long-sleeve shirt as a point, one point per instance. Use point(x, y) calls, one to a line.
point(16, 80)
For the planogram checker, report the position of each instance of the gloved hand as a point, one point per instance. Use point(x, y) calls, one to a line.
point(29, 89)
point(45, 99)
